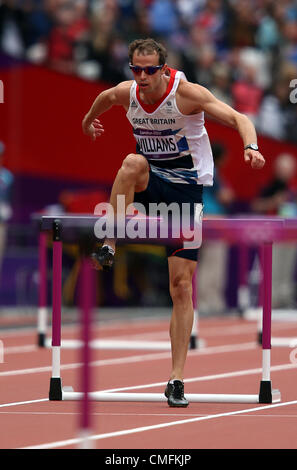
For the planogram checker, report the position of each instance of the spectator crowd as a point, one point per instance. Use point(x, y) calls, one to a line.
point(244, 51)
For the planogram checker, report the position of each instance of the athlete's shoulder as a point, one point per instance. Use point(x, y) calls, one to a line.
point(193, 91)
point(191, 97)
point(121, 92)
point(123, 87)
point(125, 84)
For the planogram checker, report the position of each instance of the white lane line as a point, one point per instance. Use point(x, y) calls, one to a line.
point(211, 331)
point(160, 415)
point(125, 432)
point(162, 335)
point(73, 413)
point(135, 358)
point(102, 326)
point(20, 349)
point(142, 358)
point(205, 327)
point(224, 375)
point(28, 402)
point(208, 331)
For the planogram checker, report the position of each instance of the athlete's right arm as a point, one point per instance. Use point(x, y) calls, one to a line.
point(115, 96)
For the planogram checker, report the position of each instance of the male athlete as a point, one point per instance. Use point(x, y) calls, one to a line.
point(172, 163)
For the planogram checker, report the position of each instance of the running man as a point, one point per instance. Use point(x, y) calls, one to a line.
point(163, 108)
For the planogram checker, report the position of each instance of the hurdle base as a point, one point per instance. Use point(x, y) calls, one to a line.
point(259, 338)
point(41, 340)
point(196, 342)
point(266, 394)
point(55, 391)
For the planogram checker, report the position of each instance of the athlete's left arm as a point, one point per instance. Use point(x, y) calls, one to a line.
point(219, 110)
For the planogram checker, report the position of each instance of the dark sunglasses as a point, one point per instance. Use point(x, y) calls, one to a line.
point(149, 70)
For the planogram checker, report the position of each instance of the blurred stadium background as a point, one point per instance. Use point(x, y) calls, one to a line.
point(57, 55)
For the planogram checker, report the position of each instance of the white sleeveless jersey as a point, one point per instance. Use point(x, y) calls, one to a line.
point(176, 146)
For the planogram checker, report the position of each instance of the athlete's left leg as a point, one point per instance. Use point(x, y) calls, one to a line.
point(181, 272)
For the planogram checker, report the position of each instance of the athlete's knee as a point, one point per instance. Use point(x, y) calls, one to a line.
point(180, 289)
point(134, 166)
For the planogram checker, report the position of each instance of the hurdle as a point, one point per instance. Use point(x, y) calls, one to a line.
point(288, 233)
point(261, 231)
point(44, 341)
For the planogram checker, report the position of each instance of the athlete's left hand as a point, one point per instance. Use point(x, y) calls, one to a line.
point(255, 158)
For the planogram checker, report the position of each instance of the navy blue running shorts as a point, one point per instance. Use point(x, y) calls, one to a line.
point(162, 191)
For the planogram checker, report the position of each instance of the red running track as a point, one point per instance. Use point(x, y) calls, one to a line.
point(230, 362)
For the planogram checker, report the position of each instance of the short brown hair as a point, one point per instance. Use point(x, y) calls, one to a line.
point(148, 46)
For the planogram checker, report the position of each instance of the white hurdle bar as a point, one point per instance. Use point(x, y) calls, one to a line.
point(113, 344)
point(159, 397)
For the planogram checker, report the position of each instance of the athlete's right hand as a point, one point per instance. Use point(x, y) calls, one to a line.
point(94, 130)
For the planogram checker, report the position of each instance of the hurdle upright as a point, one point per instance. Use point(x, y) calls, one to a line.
point(288, 234)
point(256, 230)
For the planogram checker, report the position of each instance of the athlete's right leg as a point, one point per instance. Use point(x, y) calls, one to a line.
point(133, 176)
